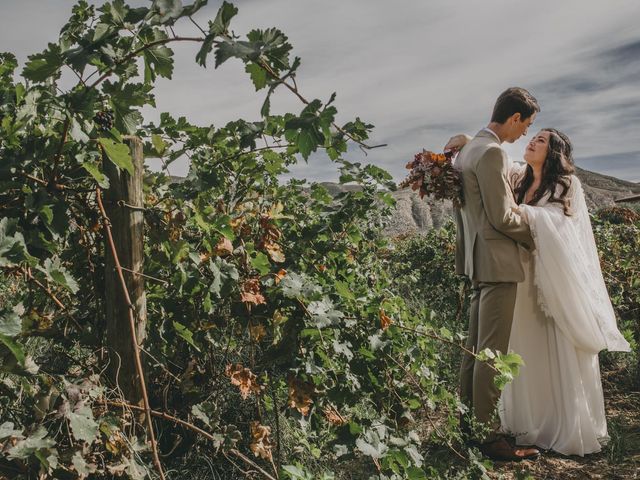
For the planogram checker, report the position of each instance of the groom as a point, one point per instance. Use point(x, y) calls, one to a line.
point(487, 252)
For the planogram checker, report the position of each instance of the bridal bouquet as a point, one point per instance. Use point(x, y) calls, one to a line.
point(434, 174)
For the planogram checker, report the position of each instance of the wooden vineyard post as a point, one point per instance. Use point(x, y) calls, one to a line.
point(123, 204)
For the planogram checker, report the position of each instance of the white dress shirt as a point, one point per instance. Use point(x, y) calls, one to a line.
point(487, 129)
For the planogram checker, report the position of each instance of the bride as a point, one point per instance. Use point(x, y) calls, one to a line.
point(563, 316)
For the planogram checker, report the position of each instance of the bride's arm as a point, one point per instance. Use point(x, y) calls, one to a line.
point(457, 142)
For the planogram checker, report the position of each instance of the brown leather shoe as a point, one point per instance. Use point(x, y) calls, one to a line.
point(501, 449)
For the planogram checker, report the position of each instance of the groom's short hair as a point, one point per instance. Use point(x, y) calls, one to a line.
point(514, 100)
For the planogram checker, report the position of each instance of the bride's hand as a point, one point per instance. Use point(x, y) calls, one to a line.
point(457, 142)
point(522, 213)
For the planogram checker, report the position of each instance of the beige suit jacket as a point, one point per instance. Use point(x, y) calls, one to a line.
point(488, 230)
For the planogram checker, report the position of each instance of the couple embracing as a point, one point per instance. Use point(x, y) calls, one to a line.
point(525, 241)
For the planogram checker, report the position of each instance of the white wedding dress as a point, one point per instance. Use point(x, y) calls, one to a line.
point(563, 317)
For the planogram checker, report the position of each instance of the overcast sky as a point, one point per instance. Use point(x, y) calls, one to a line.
point(419, 70)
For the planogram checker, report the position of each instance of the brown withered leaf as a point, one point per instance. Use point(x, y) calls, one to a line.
point(275, 251)
point(174, 234)
point(236, 222)
point(244, 379)
point(300, 395)
point(270, 231)
point(261, 445)
point(115, 443)
point(250, 292)
point(280, 275)
point(333, 416)
point(240, 226)
point(224, 247)
point(279, 317)
point(350, 257)
point(385, 320)
point(257, 331)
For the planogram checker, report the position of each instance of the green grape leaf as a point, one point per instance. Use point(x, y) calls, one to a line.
point(258, 75)
point(158, 59)
point(83, 425)
point(198, 411)
point(96, 173)
point(205, 49)
point(261, 263)
point(189, 10)
point(14, 347)
point(124, 96)
point(13, 248)
point(166, 10)
point(415, 473)
point(7, 431)
point(223, 18)
point(296, 285)
point(245, 51)
point(371, 445)
point(343, 290)
point(185, 334)
point(225, 275)
point(307, 142)
point(295, 472)
point(81, 466)
point(36, 441)
point(158, 143)
point(323, 313)
point(8, 64)
point(43, 65)
point(343, 348)
point(57, 273)
point(292, 284)
point(76, 132)
point(11, 322)
point(118, 153)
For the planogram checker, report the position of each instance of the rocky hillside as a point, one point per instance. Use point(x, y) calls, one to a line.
point(419, 215)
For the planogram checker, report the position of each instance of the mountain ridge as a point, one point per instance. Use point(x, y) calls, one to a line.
point(415, 215)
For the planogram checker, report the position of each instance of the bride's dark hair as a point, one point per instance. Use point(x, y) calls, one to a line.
point(557, 170)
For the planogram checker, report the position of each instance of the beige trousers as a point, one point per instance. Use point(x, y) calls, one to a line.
point(490, 319)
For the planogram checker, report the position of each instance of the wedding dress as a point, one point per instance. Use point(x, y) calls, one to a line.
point(563, 317)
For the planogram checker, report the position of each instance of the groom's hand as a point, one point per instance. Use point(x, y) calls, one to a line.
point(457, 142)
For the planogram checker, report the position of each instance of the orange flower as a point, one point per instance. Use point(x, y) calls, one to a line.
point(439, 158)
